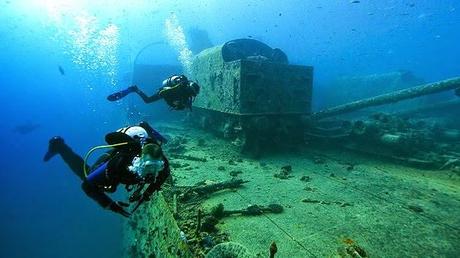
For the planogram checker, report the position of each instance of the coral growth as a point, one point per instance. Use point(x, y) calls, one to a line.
point(229, 250)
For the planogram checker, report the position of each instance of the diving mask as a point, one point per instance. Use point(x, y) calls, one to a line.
point(146, 166)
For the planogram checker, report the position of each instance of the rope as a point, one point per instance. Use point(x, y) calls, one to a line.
point(385, 200)
point(355, 188)
point(279, 227)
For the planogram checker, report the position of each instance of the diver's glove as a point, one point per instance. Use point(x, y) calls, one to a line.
point(118, 208)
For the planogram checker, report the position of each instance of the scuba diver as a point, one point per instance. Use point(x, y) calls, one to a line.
point(135, 160)
point(177, 91)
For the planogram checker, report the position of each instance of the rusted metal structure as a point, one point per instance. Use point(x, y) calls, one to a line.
point(250, 94)
point(422, 90)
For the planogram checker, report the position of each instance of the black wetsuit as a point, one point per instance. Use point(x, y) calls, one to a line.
point(177, 97)
point(110, 170)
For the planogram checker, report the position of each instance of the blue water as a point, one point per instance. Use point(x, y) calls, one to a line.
point(44, 212)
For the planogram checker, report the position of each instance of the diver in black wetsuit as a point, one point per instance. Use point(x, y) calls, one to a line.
point(135, 161)
point(177, 91)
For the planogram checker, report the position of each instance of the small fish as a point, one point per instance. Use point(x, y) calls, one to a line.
point(26, 128)
point(61, 70)
point(355, 2)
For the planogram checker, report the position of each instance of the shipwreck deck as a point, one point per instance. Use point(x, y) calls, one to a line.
point(332, 200)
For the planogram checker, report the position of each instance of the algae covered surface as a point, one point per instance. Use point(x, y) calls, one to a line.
point(335, 203)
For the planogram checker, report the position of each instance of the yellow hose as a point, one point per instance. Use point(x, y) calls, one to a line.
point(173, 87)
point(96, 148)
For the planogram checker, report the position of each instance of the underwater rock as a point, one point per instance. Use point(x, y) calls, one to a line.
point(235, 173)
point(285, 172)
point(415, 208)
point(209, 224)
point(229, 250)
point(275, 208)
point(287, 168)
point(350, 167)
point(305, 178)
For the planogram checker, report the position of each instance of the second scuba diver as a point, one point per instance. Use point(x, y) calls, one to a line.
point(177, 91)
point(136, 160)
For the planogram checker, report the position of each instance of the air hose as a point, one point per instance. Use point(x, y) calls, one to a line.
point(97, 148)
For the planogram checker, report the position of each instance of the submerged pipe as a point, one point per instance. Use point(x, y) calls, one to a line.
point(451, 104)
point(425, 89)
